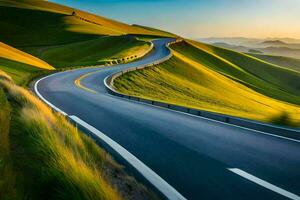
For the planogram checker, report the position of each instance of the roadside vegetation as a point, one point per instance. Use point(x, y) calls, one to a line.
point(43, 155)
point(219, 80)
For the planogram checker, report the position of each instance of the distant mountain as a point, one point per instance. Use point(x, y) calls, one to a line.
point(281, 51)
point(286, 40)
point(254, 42)
point(270, 50)
point(274, 43)
point(279, 43)
point(232, 47)
point(239, 41)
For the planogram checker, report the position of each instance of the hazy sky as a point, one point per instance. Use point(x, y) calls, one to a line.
point(203, 18)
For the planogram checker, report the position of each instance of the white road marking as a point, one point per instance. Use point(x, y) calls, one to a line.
point(159, 183)
point(201, 117)
point(264, 184)
point(41, 97)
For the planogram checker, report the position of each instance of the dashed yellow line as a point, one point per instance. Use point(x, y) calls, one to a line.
point(78, 82)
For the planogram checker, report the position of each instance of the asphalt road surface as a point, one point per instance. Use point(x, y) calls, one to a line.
point(200, 158)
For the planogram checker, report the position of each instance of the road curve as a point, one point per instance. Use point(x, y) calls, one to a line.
point(200, 158)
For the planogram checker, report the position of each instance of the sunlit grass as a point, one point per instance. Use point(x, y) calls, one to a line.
point(189, 81)
point(50, 157)
point(271, 80)
point(14, 54)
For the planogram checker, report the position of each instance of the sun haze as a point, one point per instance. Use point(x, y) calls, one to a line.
point(202, 18)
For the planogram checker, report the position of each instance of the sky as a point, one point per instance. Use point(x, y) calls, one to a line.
point(203, 18)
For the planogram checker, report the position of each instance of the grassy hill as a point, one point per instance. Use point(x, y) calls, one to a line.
point(47, 23)
point(20, 65)
point(91, 52)
point(287, 62)
point(268, 79)
point(14, 54)
point(63, 37)
point(219, 80)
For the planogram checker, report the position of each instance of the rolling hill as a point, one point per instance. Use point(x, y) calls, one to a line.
point(263, 77)
point(44, 32)
point(14, 54)
point(91, 52)
point(20, 65)
point(215, 79)
point(47, 23)
point(287, 62)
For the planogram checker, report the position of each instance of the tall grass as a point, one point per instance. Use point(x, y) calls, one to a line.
point(7, 174)
point(56, 161)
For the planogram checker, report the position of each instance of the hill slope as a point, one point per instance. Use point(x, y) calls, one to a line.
point(20, 65)
point(47, 23)
point(14, 54)
point(64, 37)
point(287, 62)
point(219, 80)
point(91, 52)
point(268, 79)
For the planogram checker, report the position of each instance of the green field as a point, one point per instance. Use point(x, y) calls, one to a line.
point(287, 62)
point(219, 80)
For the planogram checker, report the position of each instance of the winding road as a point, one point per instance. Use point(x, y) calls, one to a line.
point(200, 158)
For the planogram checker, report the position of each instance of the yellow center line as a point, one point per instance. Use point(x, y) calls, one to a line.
point(78, 82)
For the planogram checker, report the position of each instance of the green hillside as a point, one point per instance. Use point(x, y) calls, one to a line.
point(219, 80)
point(91, 52)
point(287, 62)
point(38, 28)
point(64, 37)
point(51, 24)
point(19, 65)
point(268, 79)
point(14, 54)
point(19, 72)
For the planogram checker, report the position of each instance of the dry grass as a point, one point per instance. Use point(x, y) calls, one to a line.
point(4, 76)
